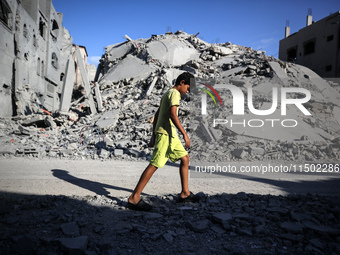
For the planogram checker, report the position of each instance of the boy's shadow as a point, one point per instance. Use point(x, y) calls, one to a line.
point(96, 187)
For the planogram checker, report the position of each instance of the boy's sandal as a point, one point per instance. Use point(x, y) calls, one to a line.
point(140, 206)
point(191, 198)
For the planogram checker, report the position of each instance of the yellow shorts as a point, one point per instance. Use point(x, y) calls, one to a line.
point(166, 148)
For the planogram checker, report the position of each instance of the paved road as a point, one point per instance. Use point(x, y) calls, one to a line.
point(118, 178)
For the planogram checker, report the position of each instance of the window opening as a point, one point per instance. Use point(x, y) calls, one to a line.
point(309, 47)
point(25, 32)
point(330, 38)
point(54, 61)
point(38, 67)
point(291, 54)
point(42, 28)
point(5, 13)
point(42, 68)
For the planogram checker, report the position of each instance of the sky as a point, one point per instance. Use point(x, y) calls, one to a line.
point(259, 24)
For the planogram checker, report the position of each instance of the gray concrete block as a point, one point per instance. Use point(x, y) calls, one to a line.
point(221, 217)
point(129, 67)
point(134, 153)
point(336, 114)
point(216, 133)
point(239, 153)
point(256, 150)
point(98, 97)
point(118, 50)
point(108, 119)
point(70, 229)
point(8, 149)
point(171, 51)
point(69, 79)
point(206, 132)
point(86, 81)
point(33, 120)
point(238, 81)
point(232, 71)
point(151, 86)
point(279, 72)
point(224, 51)
point(118, 152)
point(75, 244)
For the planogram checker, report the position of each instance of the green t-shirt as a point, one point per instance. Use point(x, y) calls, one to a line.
point(164, 124)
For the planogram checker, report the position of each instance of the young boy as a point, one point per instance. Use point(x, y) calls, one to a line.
point(167, 144)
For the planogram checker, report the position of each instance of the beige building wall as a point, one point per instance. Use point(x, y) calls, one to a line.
point(316, 46)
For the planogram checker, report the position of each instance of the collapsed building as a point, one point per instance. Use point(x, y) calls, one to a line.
point(37, 57)
point(113, 119)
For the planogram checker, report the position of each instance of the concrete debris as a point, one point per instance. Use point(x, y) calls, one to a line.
point(108, 119)
point(74, 245)
point(222, 223)
point(133, 75)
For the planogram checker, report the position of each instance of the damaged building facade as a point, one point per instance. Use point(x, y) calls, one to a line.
point(36, 55)
point(316, 46)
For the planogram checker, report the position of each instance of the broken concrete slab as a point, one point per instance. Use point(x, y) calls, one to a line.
point(266, 87)
point(8, 149)
point(324, 134)
point(328, 92)
point(68, 85)
point(172, 51)
point(216, 133)
point(239, 153)
point(86, 81)
point(107, 119)
point(224, 51)
point(150, 88)
point(225, 60)
point(129, 67)
point(98, 97)
point(336, 114)
point(76, 244)
point(232, 71)
point(118, 50)
point(70, 228)
point(281, 75)
point(239, 81)
point(35, 119)
point(256, 150)
point(206, 132)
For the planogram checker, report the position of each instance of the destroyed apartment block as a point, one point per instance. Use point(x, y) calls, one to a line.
point(37, 60)
point(133, 75)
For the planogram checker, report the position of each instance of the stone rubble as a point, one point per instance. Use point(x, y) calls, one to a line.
point(219, 224)
point(131, 78)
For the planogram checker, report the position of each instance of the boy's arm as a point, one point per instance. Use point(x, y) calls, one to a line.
point(177, 123)
point(152, 140)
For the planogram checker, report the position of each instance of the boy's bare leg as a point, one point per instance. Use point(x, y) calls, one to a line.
point(144, 179)
point(184, 174)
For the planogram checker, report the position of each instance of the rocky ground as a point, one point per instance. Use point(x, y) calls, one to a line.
point(218, 224)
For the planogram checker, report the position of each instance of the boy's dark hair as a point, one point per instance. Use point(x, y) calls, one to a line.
point(188, 79)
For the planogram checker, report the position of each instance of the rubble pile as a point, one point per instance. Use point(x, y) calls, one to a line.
point(131, 78)
point(219, 224)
